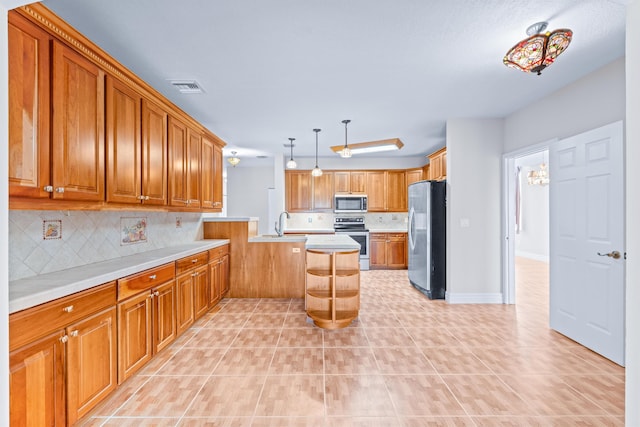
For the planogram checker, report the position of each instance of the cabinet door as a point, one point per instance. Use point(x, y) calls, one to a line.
point(200, 291)
point(323, 192)
point(29, 163)
point(396, 250)
point(217, 177)
point(91, 362)
point(298, 187)
point(154, 154)
point(396, 191)
point(78, 127)
point(215, 278)
point(378, 250)
point(207, 169)
point(37, 384)
point(358, 181)
point(123, 143)
point(193, 168)
point(225, 283)
point(178, 161)
point(184, 302)
point(377, 190)
point(414, 175)
point(165, 329)
point(435, 168)
point(443, 165)
point(134, 335)
point(342, 182)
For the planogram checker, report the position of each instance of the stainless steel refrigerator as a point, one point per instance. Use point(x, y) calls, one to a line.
point(428, 237)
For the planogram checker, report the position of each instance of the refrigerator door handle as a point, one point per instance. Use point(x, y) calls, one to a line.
point(412, 228)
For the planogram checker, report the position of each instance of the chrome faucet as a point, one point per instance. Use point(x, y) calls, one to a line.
point(279, 226)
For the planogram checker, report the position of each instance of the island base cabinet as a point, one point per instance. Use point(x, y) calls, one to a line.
point(91, 363)
point(332, 288)
point(36, 383)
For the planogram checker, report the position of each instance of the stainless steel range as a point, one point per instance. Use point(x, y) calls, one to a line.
point(354, 227)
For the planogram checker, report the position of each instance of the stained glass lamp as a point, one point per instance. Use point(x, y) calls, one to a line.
point(534, 54)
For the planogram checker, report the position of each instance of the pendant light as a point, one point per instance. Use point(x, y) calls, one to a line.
point(316, 171)
point(346, 151)
point(234, 160)
point(291, 164)
point(534, 54)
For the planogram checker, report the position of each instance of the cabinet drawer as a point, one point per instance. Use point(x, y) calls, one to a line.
point(27, 325)
point(396, 235)
point(145, 280)
point(218, 252)
point(190, 262)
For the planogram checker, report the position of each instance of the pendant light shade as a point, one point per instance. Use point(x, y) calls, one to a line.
point(534, 54)
point(316, 171)
point(234, 160)
point(291, 164)
point(346, 151)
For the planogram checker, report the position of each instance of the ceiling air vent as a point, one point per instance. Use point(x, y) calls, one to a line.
point(187, 86)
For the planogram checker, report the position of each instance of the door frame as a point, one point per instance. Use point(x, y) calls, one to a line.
point(508, 216)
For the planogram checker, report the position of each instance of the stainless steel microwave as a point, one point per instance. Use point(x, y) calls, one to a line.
point(346, 203)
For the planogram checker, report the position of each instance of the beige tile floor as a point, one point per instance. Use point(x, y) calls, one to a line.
point(407, 361)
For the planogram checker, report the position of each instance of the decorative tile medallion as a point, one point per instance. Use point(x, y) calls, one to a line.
point(52, 229)
point(133, 230)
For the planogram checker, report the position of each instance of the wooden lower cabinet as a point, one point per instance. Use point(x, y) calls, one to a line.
point(37, 383)
point(68, 362)
point(200, 279)
point(218, 274)
point(388, 251)
point(134, 334)
point(165, 329)
point(91, 362)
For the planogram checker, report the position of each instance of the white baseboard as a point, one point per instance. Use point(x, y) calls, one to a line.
point(495, 298)
point(530, 255)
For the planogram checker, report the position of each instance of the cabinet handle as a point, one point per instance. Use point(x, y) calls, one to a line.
point(140, 197)
point(156, 293)
point(194, 260)
point(151, 295)
point(48, 188)
point(153, 277)
point(60, 190)
point(68, 309)
point(146, 197)
point(74, 333)
point(194, 274)
point(64, 339)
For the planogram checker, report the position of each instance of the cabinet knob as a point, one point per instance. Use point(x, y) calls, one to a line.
point(194, 260)
point(153, 277)
point(74, 333)
point(194, 274)
point(151, 295)
point(68, 309)
point(140, 197)
point(146, 197)
point(60, 190)
point(64, 339)
point(156, 293)
point(48, 188)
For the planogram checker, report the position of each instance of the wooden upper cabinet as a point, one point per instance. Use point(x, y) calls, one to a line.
point(396, 191)
point(124, 183)
point(193, 168)
point(438, 165)
point(358, 181)
point(78, 127)
point(217, 177)
point(342, 181)
point(376, 183)
point(178, 160)
point(322, 188)
point(154, 153)
point(414, 175)
point(298, 189)
point(29, 162)
point(208, 170)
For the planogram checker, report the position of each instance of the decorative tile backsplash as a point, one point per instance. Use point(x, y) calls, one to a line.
point(47, 241)
point(373, 220)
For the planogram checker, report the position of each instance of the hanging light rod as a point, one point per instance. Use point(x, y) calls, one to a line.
point(371, 146)
point(346, 151)
point(291, 164)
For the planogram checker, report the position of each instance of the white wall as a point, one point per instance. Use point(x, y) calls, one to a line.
point(474, 150)
point(248, 194)
point(4, 223)
point(593, 101)
point(632, 358)
point(532, 241)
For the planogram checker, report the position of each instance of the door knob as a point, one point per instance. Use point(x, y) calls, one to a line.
point(614, 254)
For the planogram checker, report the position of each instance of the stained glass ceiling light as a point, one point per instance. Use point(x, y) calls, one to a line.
point(534, 54)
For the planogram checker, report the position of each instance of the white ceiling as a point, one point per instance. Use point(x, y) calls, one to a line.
point(274, 69)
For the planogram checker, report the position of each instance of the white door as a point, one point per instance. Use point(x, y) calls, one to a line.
point(586, 203)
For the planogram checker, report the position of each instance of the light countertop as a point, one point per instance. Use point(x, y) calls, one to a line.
point(387, 230)
point(230, 219)
point(32, 291)
point(331, 241)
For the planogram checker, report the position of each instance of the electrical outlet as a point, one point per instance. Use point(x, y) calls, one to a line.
point(309, 220)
